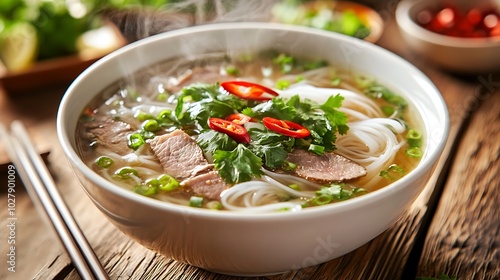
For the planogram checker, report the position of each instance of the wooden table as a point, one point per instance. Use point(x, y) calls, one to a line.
point(453, 227)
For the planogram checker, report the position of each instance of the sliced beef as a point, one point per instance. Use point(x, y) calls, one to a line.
point(179, 154)
point(182, 158)
point(327, 168)
point(209, 185)
point(205, 75)
point(109, 133)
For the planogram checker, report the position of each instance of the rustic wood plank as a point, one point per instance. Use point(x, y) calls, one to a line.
point(464, 238)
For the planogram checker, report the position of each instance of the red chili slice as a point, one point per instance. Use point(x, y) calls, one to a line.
point(234, 130)
point(238, 118)
point(248, 90)
point(287, 128)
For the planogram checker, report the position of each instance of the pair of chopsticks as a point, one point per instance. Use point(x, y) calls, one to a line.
point(43, 191)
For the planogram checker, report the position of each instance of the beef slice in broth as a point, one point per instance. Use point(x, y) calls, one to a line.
point(327, 168)
point(108, 132)
point(182, 158)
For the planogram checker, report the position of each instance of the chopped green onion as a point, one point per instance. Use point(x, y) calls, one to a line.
point(283, 84)
point(196, 201)
point(231, 70)
point(294, 187)
point(147, 134)
point(146, 190)
point(167, 183)
point(104, 161)
point(322, 200)
point(214, 205)
point(393, 172)
point(135, 141)
point(126, 172)
point(414, 138)
point(285, 62)
point(141, 116)
point(162, 97)
point(164, 115)
point(299, 78)
point(289, 166)
point(414, 152)
point(150, 125)
point(336, 81)
point(317, 149)
point(388, 110)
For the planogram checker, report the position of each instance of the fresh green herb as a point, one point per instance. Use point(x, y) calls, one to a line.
point(333, 193)
point(150, 125)
point(167, 183)
point(135, 140)
point(283, 84)
point(285, 62)
point(243, 162)
point(238, 165)
point(392, 173)
point(196, 201)
point(162, 97)
point(317, 149)
point(381, 92)
point(414, 152)
point(211, 141)
point(336, 81)
point(414, 138)
point(165, 117)
point(148, 188)
point(214, 205)
point(388, 110)
point(205, 101)
point(126, 173)
point(104, 161)
point(288, 166)
point(231, 70)
point(141, 116)
point(274, 155)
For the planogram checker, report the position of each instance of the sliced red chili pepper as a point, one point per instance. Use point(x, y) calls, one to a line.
point(287, 128)
point(234, 130)
point(238, 118)
point(248, 90)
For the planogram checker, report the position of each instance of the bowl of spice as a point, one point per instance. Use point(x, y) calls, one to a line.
point(460, 36)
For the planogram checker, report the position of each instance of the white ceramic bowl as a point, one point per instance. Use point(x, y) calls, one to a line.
point(255, 244)
point(461, 55)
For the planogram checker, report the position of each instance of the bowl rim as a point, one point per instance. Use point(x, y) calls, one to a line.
point(373, 197)
point(406, 22)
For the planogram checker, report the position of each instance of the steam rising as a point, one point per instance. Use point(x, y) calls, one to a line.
point(141, 22)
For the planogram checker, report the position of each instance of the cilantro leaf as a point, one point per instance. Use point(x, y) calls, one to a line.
point(238, 165)
point(337, 118)
point(211, 141)
point(274, 155)
point(198, 102)
point(275, 108)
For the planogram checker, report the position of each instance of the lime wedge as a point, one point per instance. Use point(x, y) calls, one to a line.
point(18, 49)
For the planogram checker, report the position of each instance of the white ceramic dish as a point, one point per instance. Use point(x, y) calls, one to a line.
point(461, 55)
point(255, 244)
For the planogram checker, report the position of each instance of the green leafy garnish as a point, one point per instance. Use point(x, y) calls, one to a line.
point(211, 141)
point(333, 193)
point(394, 172)
point(238, 165)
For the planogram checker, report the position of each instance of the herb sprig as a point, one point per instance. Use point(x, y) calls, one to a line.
point(237, 162)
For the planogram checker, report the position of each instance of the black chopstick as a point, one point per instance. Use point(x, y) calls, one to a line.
point(43, 191)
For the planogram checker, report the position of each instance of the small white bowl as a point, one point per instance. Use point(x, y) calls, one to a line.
point(256, 244)
point(461, 55)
